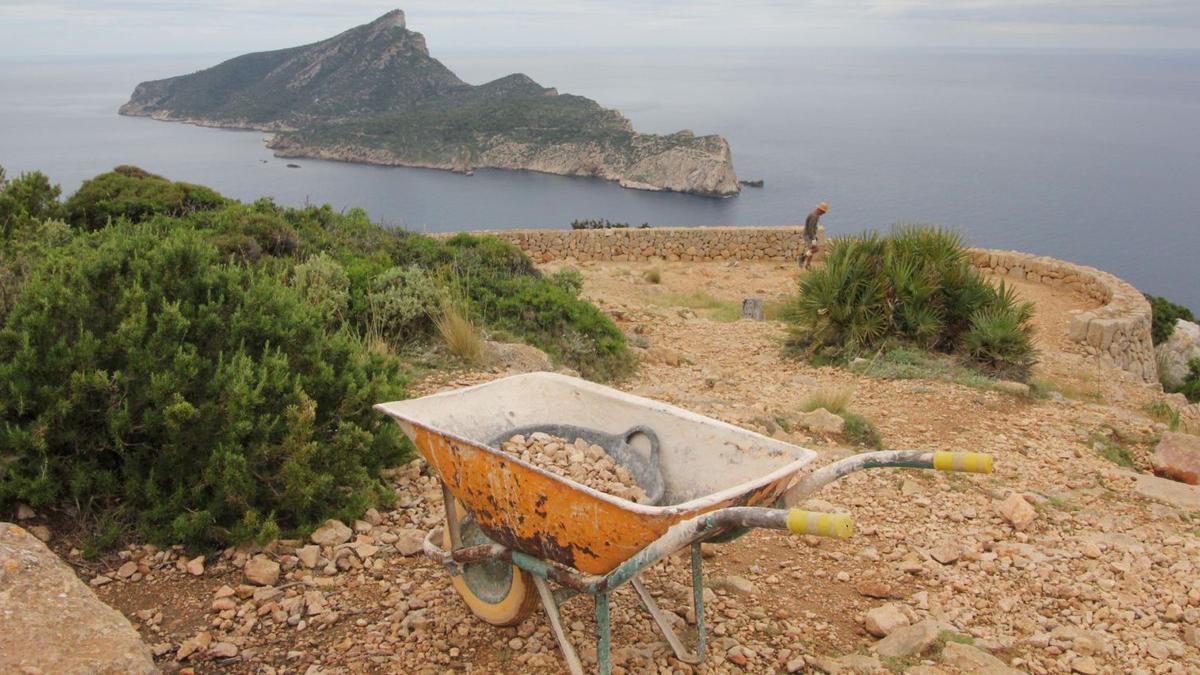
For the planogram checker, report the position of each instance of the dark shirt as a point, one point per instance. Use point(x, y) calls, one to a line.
point(810, 225)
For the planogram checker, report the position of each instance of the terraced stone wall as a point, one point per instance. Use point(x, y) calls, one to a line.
point(1117, 333)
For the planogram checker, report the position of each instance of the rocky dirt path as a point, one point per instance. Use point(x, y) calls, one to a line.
point(1061, 561)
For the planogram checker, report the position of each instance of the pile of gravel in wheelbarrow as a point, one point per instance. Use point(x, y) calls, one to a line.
point(578, 460)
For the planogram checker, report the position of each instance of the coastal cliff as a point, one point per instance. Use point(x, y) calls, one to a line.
point(373, 94)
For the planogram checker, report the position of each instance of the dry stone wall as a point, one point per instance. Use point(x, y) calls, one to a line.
point(660, 243)
point(1117, 333)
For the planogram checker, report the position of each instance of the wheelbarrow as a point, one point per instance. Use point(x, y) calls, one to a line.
point(513, 529)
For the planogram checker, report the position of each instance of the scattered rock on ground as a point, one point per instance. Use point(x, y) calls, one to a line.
point(1018, 512)
point(885, 619)
point(968, 659)
point(195, 566)
point(732, 584)
point(409, 541)
point(517, 357)
point(908, 640)
point(332, 533)
point(261, 570)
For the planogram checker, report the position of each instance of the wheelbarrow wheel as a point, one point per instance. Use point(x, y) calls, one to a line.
point(498, 592)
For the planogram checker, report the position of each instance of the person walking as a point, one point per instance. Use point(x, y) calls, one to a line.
point(810, 234)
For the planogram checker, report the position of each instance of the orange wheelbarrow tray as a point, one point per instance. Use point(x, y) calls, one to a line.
point(512, 527)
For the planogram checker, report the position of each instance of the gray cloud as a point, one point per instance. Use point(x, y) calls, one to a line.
point(228, 26)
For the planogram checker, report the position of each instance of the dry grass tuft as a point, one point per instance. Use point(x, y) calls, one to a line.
point(834, 398)
point(462, 337)
point(654, 275)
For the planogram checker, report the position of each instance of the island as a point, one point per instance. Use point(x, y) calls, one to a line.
point(373, 94)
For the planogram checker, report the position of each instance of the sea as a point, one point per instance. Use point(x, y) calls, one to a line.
point(1091, 156)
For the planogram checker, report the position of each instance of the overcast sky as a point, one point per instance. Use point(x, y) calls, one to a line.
point(128, 27)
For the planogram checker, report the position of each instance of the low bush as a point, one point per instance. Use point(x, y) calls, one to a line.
point(136, 195)
point(1164, 315)
point(861, 431)
point(403, 301)
point(325, 285)
point(554, 320)
point(914, 286)
point(200, 400)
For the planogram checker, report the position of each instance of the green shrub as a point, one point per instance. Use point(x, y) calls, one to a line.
point(1191, 384)
point(325, 285)
point(136, 195)
point(1164, 315)
point(554, 320)
point(569, 279)
point(204, 401)
point(915, 286)
point(403, 302)
point(26, 201)
point(861, 431)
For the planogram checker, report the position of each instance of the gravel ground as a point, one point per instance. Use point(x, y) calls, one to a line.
point(1061, 561)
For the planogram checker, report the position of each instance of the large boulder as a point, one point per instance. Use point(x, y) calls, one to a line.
point(1174, 354)
point(1178, 457)
point(51, 622)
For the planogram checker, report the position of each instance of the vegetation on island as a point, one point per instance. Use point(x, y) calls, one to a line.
point(914, 287)
point(374, 94)
point(202, 370)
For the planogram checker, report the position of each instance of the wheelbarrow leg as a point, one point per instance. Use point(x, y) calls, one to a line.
point(603, 634)
point(698, 598)
point(564, 642)
point(451, 517)
point(664, 626)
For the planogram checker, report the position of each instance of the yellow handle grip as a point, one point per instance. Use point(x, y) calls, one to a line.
point(968, 462)
point(836, 525)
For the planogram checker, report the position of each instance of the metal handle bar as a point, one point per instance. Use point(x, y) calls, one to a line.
point(970, 462)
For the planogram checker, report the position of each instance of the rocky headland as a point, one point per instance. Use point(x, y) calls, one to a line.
point(373, 94)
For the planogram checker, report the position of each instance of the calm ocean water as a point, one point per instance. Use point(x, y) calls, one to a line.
point(1091, 156)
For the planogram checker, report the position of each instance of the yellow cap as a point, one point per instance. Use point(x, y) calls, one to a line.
point(822, 207)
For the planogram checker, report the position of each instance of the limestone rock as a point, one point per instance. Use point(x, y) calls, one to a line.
point(947, 553)
point(261, 570)
point(410, 541)
point(732, 584)
point(1174, 354)
point(195, 566)
point(517, 357)
point(309, 555)
point(908, 640)
point(822, 421)
point(1014, 388)
point(223, 650)
point(1017, 511)
point(1179, 495)
point(1084, 665)
point(40, 531)
point(332, 533)
point(25, 512)
point(885, 619)
point(53, 623)
point(968, 659)
point(1178, 457)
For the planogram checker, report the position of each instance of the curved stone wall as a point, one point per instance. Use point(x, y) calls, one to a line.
point(1117, 333)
